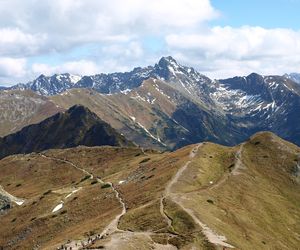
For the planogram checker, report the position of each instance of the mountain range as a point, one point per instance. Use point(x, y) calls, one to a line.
point(168, 105)
point(131, 161)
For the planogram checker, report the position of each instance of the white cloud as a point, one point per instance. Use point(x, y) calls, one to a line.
point(227, 51)
point(61, 24)
point(10, 66)
point(14, 42)
point(81, 67)
point(117, 30)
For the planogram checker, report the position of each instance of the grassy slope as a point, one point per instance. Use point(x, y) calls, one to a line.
point(44, 183)
point(33, 224)
point(256, 209)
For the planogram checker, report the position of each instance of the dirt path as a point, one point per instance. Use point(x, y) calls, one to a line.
point(12, 198)
point(212, 236)
point(172, 182)
point(111, 227)
point(68, 162)
point(238, 161)
point(118, 237)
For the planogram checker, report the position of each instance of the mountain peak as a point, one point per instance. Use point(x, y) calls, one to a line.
point(79, 110)
point(168, 60)
point(254, 75)
point(41, 76)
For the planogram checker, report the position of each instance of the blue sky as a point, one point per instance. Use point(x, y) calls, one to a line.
point(220, 38)
point(265, 13)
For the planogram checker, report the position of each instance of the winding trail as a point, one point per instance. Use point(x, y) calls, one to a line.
point(68, 162)
point(212, 236)
point(239, 165)
point(112, 226)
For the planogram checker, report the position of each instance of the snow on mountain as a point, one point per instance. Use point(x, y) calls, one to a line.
point(50, 85)
point(294, 77)
point(247, 104)
point(167, 69)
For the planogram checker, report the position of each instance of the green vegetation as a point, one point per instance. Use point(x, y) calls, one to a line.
point(106, 185)
point(145, 160)
point(85, 178)
point(47, 192)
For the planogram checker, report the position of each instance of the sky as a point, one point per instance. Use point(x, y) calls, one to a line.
point(218, 38)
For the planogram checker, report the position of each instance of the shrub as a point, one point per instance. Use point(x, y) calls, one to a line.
point(47, 192)
point(145, 160)
point(85, 178)
point(106, 185)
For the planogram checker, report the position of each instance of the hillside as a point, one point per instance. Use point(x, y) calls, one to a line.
point(155, 115)
point(19, 109)
point(203, 196)
point(76, 126)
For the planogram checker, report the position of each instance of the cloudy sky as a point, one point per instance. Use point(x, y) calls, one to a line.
point(220, 38)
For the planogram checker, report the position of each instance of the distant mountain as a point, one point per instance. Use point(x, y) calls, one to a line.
point(166, 69)
point(50, 85)
point(77, 126)
point(257, 103)
point(224, 111)
point(155, 115)
point(294, 77)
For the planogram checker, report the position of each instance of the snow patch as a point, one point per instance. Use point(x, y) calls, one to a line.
point(58, 207)
point(75, 78)
point(126, 91)
point(19, 203)
point(73, 192)
point(152, 136)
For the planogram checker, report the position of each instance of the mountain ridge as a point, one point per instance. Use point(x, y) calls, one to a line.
point(76, 126)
